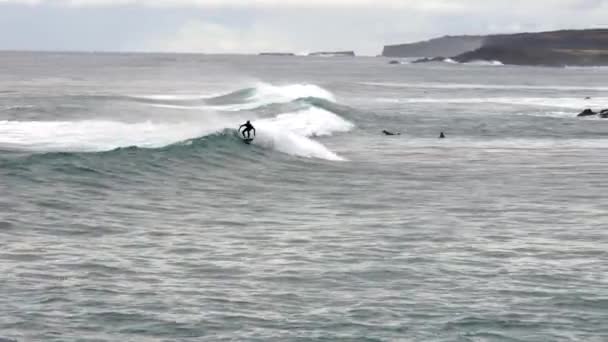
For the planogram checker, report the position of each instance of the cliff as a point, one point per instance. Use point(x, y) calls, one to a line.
point(536, 56)
point(591, 39)
point(555, 48)
point(444, 46)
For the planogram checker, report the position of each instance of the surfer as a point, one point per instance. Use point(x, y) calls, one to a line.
point(389, 133)
point(441, 136)
point(248, 129)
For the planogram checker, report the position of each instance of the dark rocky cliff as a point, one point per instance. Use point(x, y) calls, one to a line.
point(536, 56)
point(564, 39)
point(555, 48)
point(444, 46)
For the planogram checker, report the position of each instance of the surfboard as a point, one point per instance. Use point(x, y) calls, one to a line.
point(247, 140)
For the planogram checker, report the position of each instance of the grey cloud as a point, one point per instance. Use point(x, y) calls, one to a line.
point(251, 28)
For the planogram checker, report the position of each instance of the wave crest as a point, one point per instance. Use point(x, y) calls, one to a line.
point(288, 131)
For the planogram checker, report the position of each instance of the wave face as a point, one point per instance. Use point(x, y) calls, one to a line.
point(286, 119)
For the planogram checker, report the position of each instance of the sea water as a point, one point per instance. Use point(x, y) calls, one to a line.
point(130, 209)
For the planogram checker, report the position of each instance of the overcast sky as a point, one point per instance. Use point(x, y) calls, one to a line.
point(250, 26)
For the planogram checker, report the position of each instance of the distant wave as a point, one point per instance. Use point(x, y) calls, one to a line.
point(601, 67)
point(482, 86)
point(557, 114)
point(286, 131)
point(265, 94)
point(575, 103)
point(484, 63)
point(506, 144)
point(173, 97)
point(262, 94)
point(17, 108)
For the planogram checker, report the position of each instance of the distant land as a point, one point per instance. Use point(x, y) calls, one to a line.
point(554, 48)
point(277, 54)
point(317, 54)
point(333, 53)
point(444, 46)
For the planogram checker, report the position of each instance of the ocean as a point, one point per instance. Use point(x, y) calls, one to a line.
point(130, 209)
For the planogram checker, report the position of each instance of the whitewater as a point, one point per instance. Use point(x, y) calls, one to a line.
point(131, 209)
point(287, 131)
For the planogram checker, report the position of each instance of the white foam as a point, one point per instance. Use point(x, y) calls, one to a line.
point(311, 122)
point(290, 132)
point(291, 92)
point(96, 135)
point(265, 94)
point(485, 63)
point(288, 142)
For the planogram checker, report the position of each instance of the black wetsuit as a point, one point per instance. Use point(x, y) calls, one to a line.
point(248, 129)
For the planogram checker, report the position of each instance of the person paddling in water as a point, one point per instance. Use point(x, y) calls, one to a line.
point(248, 128)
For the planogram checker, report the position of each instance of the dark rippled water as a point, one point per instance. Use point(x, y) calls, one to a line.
point(131, 211)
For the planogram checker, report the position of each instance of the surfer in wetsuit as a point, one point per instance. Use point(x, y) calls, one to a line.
point(248, 129)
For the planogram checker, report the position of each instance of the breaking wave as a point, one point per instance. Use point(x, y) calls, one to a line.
point(289, 129)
